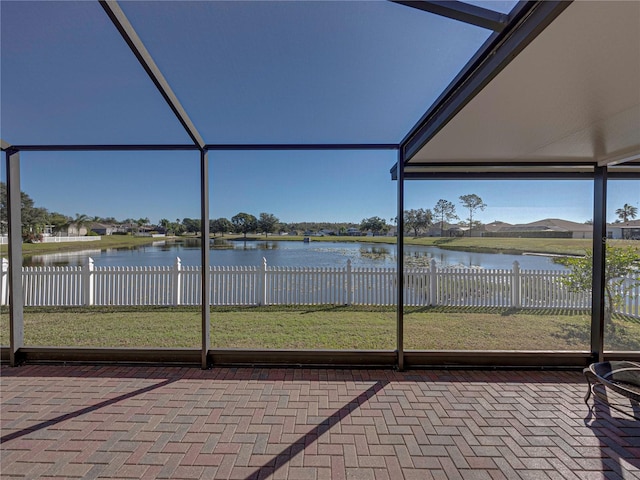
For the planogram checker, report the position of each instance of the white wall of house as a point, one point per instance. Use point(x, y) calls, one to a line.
point(74, 231)
point(583, 234)
point(613, 232)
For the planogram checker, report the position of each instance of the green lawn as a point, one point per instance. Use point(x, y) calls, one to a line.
point(318, 327)
point(110, 241)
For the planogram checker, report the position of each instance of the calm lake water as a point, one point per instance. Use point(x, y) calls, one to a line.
point(291, 254)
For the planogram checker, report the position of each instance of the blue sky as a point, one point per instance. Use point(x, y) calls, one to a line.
point(295, 186)
point(270, 72)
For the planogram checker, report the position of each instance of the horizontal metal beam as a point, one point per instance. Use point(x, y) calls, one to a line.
point(624, 175)
point(130, 36)
point(308, 358)
point(611, 356)
point(496, 359)
point(621, 159)
point(495, 169)
point(586, 163)
point(163, 356)
point(626, 171)
point(476, 175)
point(463, 12)
point(225, 146)
point(492, 359)
point(106, 148)
point(528, 21)
point(305, 146)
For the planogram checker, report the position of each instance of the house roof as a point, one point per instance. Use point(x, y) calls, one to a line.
point(496, 226)
point(629, 224)
point(559, 224)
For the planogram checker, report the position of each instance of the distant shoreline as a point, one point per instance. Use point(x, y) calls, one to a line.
point(517, 246)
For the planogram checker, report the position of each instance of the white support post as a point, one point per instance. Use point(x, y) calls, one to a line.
point(177, 282)
point(515, 286)
point(4, 281)
point(14, 224)
point(433, 283)
point(262, 290)
point(87, 282)
point(349, 293)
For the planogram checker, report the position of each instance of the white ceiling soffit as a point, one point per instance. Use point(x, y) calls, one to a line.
point(573, 95)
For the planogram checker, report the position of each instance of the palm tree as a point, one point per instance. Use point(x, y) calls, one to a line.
point(627, 212)
point(80, 221)
point(141, 222)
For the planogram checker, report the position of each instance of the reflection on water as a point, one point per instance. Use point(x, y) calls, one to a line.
point(418, 258)
point(253, 245)
point(62, 259)
point(377, 253)
point(290, 254)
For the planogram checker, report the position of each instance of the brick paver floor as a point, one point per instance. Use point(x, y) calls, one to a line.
point(250, 423)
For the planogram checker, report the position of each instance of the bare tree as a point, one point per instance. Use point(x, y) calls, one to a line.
point(473, 202)
point(444, 212)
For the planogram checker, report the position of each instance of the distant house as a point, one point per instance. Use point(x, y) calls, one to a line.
point(627, 230)
point(549, 227)
point(462, 230)
point(496, 226)
point(457, 231)
point(150, 231)
point(439, 229)
point(102, 229)
point(578, 230)
point(73, 230)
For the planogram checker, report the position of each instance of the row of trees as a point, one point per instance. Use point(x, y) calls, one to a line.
point(35, 219)
point(444, 211)
point(241, 223)
point(420, 220)
point(416, 221)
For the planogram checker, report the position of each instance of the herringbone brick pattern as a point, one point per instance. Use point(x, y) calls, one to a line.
point(185, 423)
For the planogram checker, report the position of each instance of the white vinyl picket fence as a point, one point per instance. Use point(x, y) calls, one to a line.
point(265, 285)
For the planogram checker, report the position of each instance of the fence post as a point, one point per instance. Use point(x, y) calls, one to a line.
point(433, 283)
point(349, 293)
point(177, 281)
point(515, 286)
point(87, 280)
point(4, 281)
point(263, 286)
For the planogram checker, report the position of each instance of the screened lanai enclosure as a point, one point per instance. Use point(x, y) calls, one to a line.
point(524, 97)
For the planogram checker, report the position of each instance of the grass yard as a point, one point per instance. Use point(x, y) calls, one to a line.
point(318, 327)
